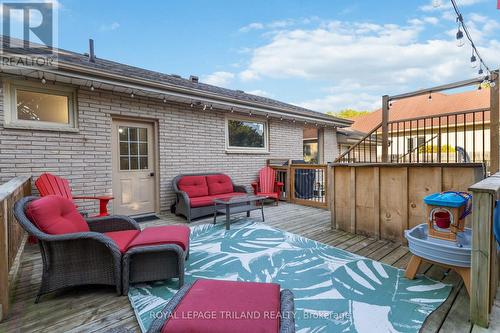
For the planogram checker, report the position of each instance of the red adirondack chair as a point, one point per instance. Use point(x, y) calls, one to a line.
point(267, 184)
point(48, 184)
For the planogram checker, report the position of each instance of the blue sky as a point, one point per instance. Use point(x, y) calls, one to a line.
point(325, 55)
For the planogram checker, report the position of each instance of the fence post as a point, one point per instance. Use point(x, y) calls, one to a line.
point(494, 127)
point(484, 270)
point(385, 128)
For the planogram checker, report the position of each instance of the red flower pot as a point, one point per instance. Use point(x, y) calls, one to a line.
point(442, 219)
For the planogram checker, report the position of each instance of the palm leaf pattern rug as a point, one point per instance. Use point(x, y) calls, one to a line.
point(335, 291)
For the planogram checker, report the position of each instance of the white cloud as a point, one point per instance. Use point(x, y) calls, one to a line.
point(337, 102)
point(446, 4)
point(252, 26)
point(221, 78)
point(388, 58)
point(110, 27)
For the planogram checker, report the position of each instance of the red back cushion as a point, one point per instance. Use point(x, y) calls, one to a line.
point(227, 302)
point(56, 215)
point(194, 186)
point(219, 184)
point(266, 180)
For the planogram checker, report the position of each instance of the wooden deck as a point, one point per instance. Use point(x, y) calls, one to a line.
point(98, 309)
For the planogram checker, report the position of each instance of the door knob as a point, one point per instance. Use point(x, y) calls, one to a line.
point(152, 174)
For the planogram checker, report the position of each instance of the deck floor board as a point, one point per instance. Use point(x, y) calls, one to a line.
point(98, 309)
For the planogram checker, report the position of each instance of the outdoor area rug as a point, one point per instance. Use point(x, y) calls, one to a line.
point(335, 291)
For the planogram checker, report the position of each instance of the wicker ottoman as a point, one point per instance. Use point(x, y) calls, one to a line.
point(214, 306)
point(157, 253)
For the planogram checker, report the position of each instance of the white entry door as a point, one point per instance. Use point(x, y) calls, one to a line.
point(133, 168)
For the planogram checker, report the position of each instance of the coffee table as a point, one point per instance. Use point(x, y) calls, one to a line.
point(238, 204)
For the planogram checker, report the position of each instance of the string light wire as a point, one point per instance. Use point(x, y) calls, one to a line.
point(475, 52)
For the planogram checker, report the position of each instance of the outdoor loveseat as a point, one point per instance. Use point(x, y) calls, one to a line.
point(109, 250)
point(195, 193)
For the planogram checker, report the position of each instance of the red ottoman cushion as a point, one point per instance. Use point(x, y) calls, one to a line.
point(213, 306)
point(194, 186)
point(172, 234)
point(122, 238)
point(56, 215)
point(219, 184)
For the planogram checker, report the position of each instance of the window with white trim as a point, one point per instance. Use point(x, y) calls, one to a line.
point(34, 105)
point(246, 135)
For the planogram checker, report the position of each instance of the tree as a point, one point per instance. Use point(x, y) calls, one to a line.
point(347, 113)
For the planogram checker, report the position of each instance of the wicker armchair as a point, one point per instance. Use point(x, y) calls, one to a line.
point(78, 258)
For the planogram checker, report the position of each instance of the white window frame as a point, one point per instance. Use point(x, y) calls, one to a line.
point(248, 150)
point(10, 97)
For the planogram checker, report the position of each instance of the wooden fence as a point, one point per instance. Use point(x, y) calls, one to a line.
point(484, 265)
point(12, 237)
point(305, 184)
point(384, 199)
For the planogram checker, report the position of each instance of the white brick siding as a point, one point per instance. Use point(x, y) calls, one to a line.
point(190, 140)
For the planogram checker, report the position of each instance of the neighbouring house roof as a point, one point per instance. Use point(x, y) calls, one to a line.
point(422, 106)
point(76, 63)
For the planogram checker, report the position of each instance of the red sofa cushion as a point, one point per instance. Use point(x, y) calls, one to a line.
point(172, 234)
point(194, 186)
point(56, 215)
point(224, 305)
point(209, 199)
point(122, 238)
point(219, 184)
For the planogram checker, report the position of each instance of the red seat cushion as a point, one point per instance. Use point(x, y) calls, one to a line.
point(56, 215)
point(219, 184)
point(123, 238)
point(209, 199)
point(172, 234)
point(194, 186)
point(225, 304)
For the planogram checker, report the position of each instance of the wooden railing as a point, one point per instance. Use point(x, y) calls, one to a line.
point(12, 237)
point(305, 184)
point(484, 263)
point(382, 200)
point(460, 137)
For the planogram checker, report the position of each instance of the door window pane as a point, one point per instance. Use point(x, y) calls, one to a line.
point(246, 134)
point(36, 106)
point(133, 148)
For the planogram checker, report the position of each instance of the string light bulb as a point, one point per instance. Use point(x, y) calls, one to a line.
point(460, 38)
point(165, 101)
point(232, 110)
point(481, 71)
point(211, 107)
point(43, 79)
point(473, 60)
point(204, 107)
point(132, 95)
point(430, 95)
point(192, 104)
point(92, 87)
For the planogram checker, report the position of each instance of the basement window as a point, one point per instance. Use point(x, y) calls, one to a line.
point(246, 135)
point(38, 106)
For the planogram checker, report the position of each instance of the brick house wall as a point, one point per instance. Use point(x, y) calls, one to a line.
point(190, 140)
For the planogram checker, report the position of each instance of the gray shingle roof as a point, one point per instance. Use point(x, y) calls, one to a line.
point(112, 67)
